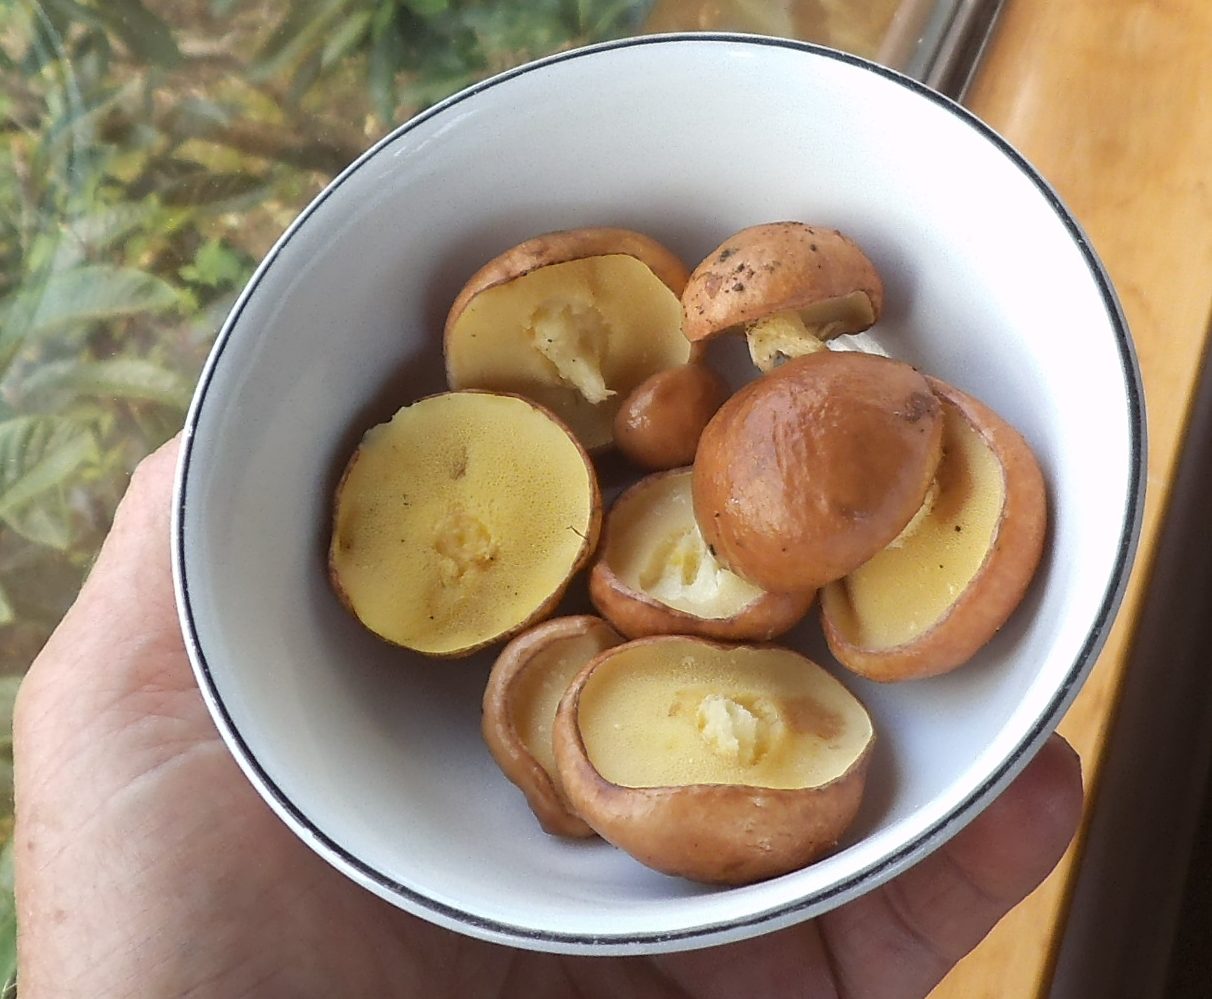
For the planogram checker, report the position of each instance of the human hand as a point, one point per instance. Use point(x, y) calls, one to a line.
point(147, 865)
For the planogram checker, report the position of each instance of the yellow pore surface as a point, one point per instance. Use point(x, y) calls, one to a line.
point(656, 548)
point(576, 336)
point(538, 689)
point(671, 712)
point(458, 519)
point(899, 594)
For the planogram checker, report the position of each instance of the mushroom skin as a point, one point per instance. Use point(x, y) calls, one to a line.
point(1013, 548)
point(727, 833)
point(789, 286)
point(807, 472)
point(564, 245)
point(529, 669)
point(660, 422)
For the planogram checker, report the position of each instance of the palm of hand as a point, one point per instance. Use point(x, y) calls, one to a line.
point(148, 866)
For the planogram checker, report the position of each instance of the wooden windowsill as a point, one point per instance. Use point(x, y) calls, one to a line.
point(1112, 101)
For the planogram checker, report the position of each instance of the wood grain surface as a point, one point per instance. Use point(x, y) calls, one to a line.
point(1112, 101)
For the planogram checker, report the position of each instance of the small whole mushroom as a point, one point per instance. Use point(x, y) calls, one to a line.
point(660, 422)
point(787, 286)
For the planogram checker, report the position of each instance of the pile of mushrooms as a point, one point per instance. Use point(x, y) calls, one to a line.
point(669, 725)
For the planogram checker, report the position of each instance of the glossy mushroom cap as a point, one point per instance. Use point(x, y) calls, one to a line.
point(807, 472)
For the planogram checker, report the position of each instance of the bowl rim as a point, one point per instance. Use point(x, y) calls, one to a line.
point(750, 923)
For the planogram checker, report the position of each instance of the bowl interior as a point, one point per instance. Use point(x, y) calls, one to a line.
point(373, 754)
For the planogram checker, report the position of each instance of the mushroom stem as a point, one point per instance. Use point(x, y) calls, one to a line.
point(572, 337)
point(731, 730)
point(779, 337)
point(790, 333)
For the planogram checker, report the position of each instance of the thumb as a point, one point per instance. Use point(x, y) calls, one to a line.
point(902, 939)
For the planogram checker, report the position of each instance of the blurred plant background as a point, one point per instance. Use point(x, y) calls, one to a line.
point(151, 151)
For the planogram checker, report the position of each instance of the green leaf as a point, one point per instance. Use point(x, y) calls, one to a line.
point(131, 378)
point(306, 73)
point(427, 8)
point(385, 57)
point(612, 20)
point(83, 294)
point(346, 37)
point(8, 696)
point(196, 115)
point(8, 922)
point(205, 187)
point(424, 91)
point(45, 39)
point(91, 60)
point(37, 454)
point(300, 33)
point(73, 13)
point(384, 16)
point(106, 224)
point(8, 613)
point(47, 523)
point(216, 266)
point(147, 37)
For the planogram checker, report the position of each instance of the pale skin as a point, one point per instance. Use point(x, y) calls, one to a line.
point(147, 866)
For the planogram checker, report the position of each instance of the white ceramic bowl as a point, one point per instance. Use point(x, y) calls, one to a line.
point(372, 755)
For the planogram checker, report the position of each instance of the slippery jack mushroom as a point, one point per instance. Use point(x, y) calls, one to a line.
point(574, 320)
point(520, 699)
point(789, 287)
point(654, 574)
point(461, 521)
point(660, 422)
point(807, 472)
point(722, 764)
point(942, 590)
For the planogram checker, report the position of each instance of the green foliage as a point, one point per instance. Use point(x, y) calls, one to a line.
point(150, 153)
point(8, 906)
point(215, 266)
point(8, 924)
point(418, 51)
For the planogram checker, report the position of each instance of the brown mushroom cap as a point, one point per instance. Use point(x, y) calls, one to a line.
point(520, 699)
point(928, 605)
point(659, 424)
point(718, 763)
point(571, 244)
point(807, 472)
point(653, 574)
point(782, 267)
